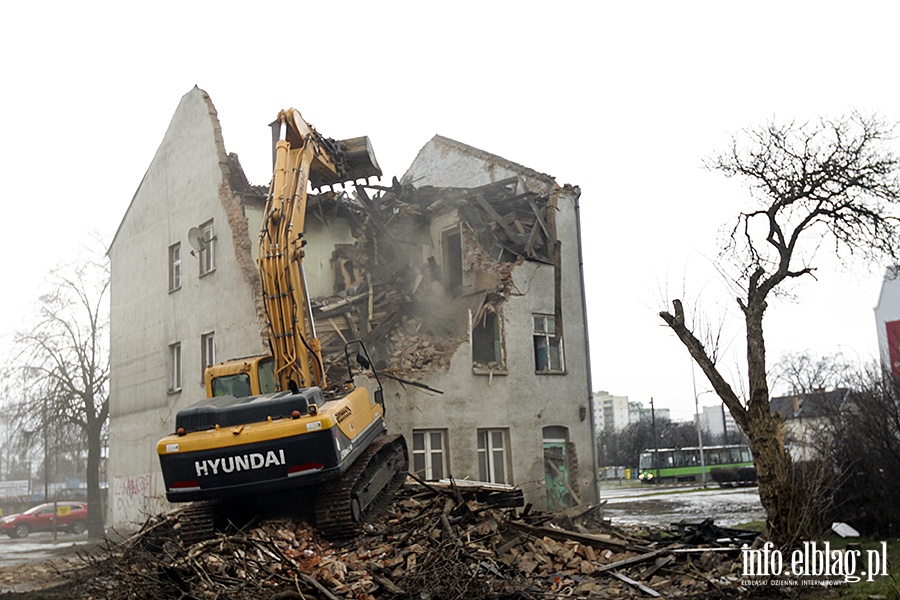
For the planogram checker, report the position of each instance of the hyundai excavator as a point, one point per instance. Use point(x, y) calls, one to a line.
point(242, 443)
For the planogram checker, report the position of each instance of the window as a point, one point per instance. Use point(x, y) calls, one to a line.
point(487, 344)
point(492, 456)
point(452, 260)
point(207, 353)
point(429, 454)
point(174, 267)
point(208, 249)
point(548, 352)
point(266, 376)
point(175, 367)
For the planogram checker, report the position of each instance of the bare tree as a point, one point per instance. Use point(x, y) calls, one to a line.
point(805, 373)
point(63, 362)
point(864, 447)
point(832, 182)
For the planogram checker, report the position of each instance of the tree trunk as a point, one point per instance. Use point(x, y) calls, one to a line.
point(96, 508)
point(784, 505)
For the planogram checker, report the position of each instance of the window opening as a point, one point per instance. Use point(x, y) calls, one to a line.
point(492, 455)
point(429, 454)
point(175, 367)
point(174, 267)
point(452, 260)
point(548, 353)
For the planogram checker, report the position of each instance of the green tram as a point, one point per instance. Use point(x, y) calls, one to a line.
point(726, 465)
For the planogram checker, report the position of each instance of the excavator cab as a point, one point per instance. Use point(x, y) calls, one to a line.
point(242, 377)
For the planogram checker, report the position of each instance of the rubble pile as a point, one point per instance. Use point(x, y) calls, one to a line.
point(434, 541)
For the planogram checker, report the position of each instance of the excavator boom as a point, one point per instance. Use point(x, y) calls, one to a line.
point(302, 157)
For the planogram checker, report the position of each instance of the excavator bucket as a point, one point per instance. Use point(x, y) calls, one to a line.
point(354, 159)
point(359, 159)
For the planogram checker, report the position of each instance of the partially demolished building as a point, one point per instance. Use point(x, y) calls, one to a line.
point(463, 278)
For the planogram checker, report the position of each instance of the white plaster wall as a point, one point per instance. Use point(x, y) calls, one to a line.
point(180, 190)
point(321, 241)
point(521, 400)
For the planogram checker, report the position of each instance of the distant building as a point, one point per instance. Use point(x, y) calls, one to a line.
point(806, 420)
point(637, 413)
point(887, 320)
point(610, 412)
point(716, 421)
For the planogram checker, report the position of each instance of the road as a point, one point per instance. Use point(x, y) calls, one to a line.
point(37, 547)
point(664, 505)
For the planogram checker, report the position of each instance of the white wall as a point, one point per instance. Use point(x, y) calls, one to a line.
point(181, 189)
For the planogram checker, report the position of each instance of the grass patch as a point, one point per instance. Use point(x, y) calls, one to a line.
point(881, 587)
point(757, 526)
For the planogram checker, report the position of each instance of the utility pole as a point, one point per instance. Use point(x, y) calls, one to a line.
point(655, 442)
point(46, 460)
point(724, 426)
point(699, 432)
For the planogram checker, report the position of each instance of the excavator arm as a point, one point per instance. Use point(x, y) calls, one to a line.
point(302, 157)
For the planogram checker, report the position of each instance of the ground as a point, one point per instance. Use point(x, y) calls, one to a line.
point(474, 541)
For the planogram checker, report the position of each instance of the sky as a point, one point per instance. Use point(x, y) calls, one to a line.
point(623, 99)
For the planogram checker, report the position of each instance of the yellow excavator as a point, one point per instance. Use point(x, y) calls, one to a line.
point(273, 423)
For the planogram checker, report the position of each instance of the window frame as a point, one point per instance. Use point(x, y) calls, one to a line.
point(208, 249)
point(428, 454)
point(175, 368)
point(550, 340)
point(207, 353)
point(176, 263)
point(496, 335)
point(487, 455)
point(452, 259)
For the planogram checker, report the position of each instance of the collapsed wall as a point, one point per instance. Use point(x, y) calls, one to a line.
point(423, 261)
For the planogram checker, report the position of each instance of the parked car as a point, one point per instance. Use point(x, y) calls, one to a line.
point(70, 516)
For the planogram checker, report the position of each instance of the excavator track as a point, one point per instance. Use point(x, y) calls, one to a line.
point(196, 522)
point(345, 503)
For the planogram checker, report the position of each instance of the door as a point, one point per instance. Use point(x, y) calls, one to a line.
point(556, 475)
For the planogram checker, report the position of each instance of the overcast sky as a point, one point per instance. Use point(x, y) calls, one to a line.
point(622, 100)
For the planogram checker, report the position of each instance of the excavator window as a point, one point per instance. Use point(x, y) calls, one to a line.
point(266, 376)
point(232, 385)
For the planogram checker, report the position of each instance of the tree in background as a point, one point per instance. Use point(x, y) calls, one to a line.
point(804, 373)
point(830, 184)
point(623, 448)
point(62, 368)
point(863, 447)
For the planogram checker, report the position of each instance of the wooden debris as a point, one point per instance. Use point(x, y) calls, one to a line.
point(436, 540)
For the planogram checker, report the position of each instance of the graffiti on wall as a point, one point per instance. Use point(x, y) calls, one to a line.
point(135, 498)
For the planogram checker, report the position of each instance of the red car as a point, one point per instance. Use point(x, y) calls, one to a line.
point(70, 516)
